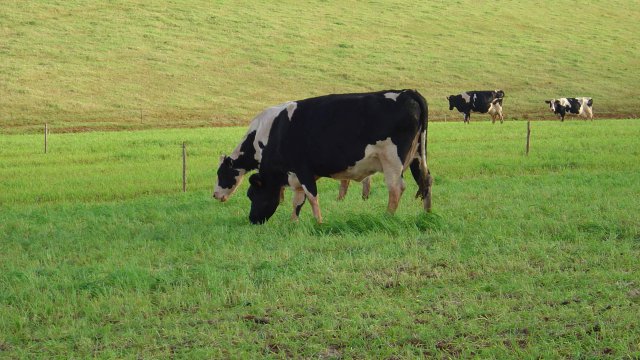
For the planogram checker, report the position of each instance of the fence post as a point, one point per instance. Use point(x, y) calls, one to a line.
point(184, 167)
point(528, 135)
point(46, 131)
point(140, 116)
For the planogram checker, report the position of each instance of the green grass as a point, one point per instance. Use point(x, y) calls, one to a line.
point(523, 257)
point(80, 65)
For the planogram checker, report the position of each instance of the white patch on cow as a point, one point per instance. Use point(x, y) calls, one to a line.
point(564, 102)
point(291, 107)
point(392, 95)
point(466, 97)
point(293, 181)
point(262, 125)
point(585, 110)
point(372, 161)
point(495, 108)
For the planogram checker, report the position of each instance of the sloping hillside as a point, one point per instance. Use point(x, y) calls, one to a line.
point(125, 64)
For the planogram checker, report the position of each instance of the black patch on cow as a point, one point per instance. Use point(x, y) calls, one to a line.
point(574, 105)
point(228, 170)
point(247, 159)
point(227, 174)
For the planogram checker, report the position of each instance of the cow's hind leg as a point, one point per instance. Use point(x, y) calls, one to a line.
point(366, 187)
point(392, 169)
point(344, 186)
point(308, 184)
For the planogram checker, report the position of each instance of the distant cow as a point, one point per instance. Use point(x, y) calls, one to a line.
point(582, 106)
point(347, 137)
point(478, 101)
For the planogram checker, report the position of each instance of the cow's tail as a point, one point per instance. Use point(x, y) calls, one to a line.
point(424, 179)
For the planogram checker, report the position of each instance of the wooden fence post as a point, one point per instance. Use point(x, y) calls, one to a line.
point(46, 132)
point(528, 135)
point(184, 167)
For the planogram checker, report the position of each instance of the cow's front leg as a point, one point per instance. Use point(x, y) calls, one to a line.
point(298, 200)
point(392, 169)
point(344, 186)
point(366, 187)
point(311, 190)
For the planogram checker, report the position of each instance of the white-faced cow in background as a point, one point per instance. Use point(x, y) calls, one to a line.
point(582, 106)
point(478, 101)
point(346, 137)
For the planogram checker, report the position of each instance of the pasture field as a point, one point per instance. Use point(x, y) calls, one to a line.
point(145, 64)
point(103, 256)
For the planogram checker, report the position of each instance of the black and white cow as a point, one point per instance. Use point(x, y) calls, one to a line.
point(582, 106)
point(248, 153)
point(346, 137)
point(478, 101)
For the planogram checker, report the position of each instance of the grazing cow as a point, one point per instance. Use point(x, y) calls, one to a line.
point(346, 137)
point(582, 106)
point(478, 101)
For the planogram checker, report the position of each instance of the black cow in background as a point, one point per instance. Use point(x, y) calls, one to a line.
point(478, 101)
point(582, 106)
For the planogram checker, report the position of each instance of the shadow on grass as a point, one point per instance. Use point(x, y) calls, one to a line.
point(356, 223)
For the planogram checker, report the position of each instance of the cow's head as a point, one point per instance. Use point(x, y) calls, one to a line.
point(229, 178)
point(265, 198)
point(552, 104)
point(453, 100)
point(499, 93)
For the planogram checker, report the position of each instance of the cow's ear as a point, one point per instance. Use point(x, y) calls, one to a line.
point(448, 97)
point(548, 101)
point(255, 180)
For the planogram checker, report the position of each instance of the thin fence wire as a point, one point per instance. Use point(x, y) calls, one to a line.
point(194, 117)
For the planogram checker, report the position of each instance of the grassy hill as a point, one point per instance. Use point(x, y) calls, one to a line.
point(130, 64)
